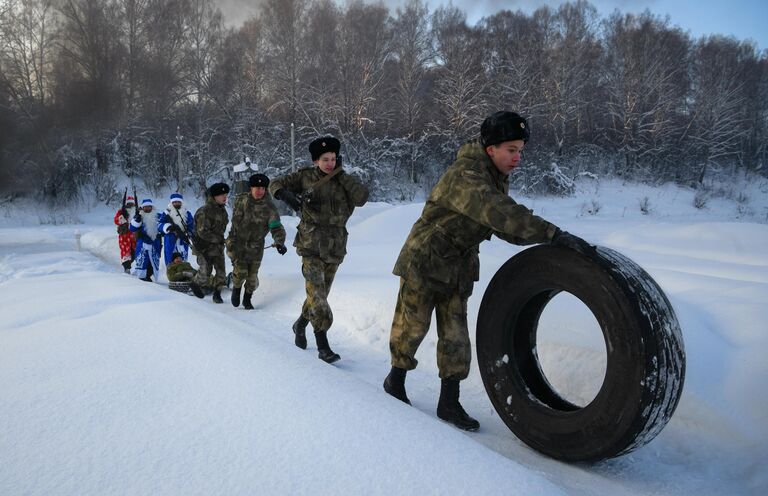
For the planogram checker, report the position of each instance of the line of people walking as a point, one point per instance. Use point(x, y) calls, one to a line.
point(438, 264)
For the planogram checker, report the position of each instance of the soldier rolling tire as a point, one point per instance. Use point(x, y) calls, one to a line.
point(645, 366)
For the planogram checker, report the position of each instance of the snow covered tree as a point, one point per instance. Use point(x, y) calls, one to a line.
point(413, 52)
point(459, 81)
point(646, 82)
point(570, 88)
point(513, 50)
point(718, 109)
point(284, 23)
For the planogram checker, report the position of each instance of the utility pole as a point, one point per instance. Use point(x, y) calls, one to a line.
point(293, 158)
point(179, 177)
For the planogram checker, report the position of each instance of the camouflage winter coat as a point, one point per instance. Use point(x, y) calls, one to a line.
point(251, 221)
point(469, 203)
point(322, 231)
point(181, 271)
point(210, 223)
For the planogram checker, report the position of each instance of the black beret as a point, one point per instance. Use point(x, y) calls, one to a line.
point(218, 189)
point(322, 145)
point(258, 181)
point(503, 126)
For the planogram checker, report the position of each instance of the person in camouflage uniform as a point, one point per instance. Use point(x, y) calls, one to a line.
point(326, 196)
point(210, 223)
point(253, 216)
point(439, 261)
point(179, 270)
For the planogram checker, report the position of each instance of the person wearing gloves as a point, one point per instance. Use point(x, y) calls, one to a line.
point(439, 263)
point(177, 226)
point(208, 242)
point(326, 196)
point(149, 241)
point(253, 216)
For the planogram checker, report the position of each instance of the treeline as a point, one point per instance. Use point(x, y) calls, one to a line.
point(91, 89)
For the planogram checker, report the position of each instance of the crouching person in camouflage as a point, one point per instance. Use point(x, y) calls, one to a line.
point(253, 216)
point(210, 223)
point(326, 196)
point(439, 261)
point(179, 270)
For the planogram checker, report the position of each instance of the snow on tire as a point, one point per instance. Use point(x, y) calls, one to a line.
point(645, 366)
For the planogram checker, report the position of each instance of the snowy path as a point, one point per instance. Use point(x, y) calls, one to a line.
point(114, 386)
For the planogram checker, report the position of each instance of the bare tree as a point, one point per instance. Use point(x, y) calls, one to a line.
point(134, 20)
point(163, 70)
point(320, 97)
point(90, 62)
point(27, 35)
point(646, 82)
point(513, 50)
point(718, 101)
point(364, 44)
point(460, 82)
point(572, 72)
point(284, 22)
point(412, 48)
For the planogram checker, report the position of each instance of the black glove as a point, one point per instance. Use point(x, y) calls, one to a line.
point(281, 249)
point(310, 200)
point(175, 230)
point(568, 240)
point(137, 218)
point(289, 198)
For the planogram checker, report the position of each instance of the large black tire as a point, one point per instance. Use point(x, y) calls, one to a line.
point(645, 366)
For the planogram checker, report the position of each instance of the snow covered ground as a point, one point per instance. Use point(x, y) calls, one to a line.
point(115, 386)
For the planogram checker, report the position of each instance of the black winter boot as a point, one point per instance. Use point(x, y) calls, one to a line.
point(196, 290)
point(217, 296)
point(449, 408)
point(394, 384)
point(300, 330)
point(324, 351)
point(236, 297)
point(247, 301)
point(127, 266)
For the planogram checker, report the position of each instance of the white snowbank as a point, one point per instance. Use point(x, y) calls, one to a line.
point(115, 386)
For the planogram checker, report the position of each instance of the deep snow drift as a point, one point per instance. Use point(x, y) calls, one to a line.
point(115, 386)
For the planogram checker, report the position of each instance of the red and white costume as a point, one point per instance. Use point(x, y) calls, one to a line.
point(125, 238)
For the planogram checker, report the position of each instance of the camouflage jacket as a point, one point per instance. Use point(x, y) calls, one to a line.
point(322, 230)
point(251, 221)
point(181, 271)
point(468, 204)
point(210, 223)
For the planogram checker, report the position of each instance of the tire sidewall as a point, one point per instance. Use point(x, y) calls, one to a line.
point(608, 423)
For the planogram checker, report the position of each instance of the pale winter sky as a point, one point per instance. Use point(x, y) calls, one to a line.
point(744, 19)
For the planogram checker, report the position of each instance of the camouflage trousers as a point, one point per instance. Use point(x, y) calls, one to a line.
point(318, 277)
point(413, 314)
point(248, 272)
point(203, 276)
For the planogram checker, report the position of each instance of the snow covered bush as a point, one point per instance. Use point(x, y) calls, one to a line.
point(591, 208)
point(544, 180)
point(645, 205)
point(701, 198)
